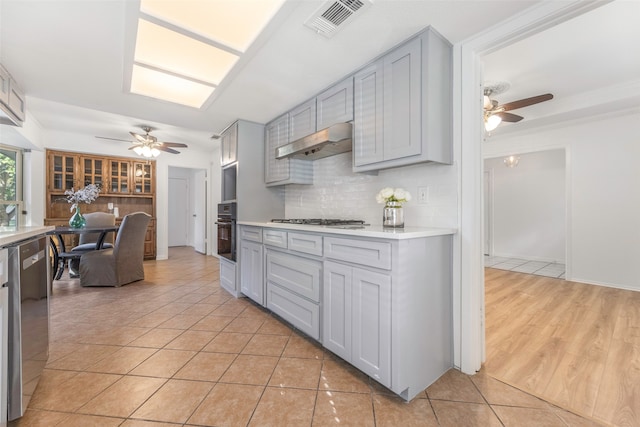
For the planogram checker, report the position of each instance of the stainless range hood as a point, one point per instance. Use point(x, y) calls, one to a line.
point(333, 140)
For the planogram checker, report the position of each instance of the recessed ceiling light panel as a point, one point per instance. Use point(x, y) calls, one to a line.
point(177, 53)
point(235, 23)
point(155, 84)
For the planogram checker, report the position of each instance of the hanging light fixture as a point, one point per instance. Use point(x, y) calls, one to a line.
point(511, 161)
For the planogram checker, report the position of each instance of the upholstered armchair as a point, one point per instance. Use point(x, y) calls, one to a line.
point(87, 241)
point(121, 264)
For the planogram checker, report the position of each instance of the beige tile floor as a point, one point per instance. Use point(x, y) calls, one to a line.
point(177, 350)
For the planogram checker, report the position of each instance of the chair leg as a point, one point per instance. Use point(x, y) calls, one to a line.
point(60, 269)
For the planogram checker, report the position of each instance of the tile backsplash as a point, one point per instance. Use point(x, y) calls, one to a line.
point(338, 192)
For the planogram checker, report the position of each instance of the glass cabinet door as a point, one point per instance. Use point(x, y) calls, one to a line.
point(63, 172)
point(143, 178)
point(93, 171)
point(119, 177)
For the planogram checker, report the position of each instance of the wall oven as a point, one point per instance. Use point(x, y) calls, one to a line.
point(227, 230)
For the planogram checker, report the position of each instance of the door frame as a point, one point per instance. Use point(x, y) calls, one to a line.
point(468, 274)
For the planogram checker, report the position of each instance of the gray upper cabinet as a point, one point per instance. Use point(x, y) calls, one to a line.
point(4, 85)
point(367, 140)
point(403, 106)
point(335, 105)
point(283, 171)
point(302, 120)
point(229, 145)
point(12, 100)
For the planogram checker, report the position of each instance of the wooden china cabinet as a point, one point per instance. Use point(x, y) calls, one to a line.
point(128, 184)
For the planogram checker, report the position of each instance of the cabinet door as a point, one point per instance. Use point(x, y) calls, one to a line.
point(229, 145)
point(251, 277)
point(62, 172)
point(336, 311)
point(368, 120)
point(93, 171)
point(150, 241)
point(276, 135)
point(143, 179)
point(4, 86)
point(335, 105)
point(371, 328)
point(119, 177)
point(402, 97)
point(302, 120)
point(17, 101)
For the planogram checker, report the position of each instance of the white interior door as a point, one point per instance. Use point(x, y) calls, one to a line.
point(200, 211)
point(178, 212)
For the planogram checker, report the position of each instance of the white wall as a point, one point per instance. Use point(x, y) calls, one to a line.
point(338, 192)
point(528, 206)
point(603, 235)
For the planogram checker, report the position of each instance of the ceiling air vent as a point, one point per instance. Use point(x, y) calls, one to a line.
point(332, 15)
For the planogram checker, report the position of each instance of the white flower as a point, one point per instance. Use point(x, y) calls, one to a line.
point(399, 194)
point(388, 194)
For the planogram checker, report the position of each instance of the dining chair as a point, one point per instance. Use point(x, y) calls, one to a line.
point(121, 264)
point(87, 241)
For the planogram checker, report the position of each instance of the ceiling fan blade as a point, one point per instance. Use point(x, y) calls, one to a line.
point(140, 138)
point(526, 102)
point(168, 150)
point(509, 117)
point(173, 144)
point(113, 139)
point(134, 146)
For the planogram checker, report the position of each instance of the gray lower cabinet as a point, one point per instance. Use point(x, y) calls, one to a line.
point(228, 276)
point(383, 305)
point(357, 318)
point(251, 274)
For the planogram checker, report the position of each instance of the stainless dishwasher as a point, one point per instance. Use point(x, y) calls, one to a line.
point(28, 320)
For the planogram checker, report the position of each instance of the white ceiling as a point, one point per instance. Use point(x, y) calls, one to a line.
point(69, 57)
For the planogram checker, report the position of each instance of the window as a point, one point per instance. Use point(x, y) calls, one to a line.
point(10, 187)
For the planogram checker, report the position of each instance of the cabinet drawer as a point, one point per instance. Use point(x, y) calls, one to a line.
point(372, 254)
point(305, 243)
point(294, 273)
point(298, 311)
point(253, 234)
point(276, 238)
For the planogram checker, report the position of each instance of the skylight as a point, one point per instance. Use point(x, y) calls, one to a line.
point(185, 49)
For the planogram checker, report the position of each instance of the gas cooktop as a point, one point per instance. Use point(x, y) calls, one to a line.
point(325, 222)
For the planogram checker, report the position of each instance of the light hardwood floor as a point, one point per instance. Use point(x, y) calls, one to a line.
point(572, 344)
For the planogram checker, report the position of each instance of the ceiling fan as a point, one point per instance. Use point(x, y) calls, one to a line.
point(495, 113)
point(147, 145)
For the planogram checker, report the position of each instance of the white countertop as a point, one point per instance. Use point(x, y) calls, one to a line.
point(376, 231)
point(9, 235)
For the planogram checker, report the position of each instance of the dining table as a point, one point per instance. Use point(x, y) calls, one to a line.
point(60, 253)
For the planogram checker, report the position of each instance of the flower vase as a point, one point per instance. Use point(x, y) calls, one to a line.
point(393, 215)
point(77, 220)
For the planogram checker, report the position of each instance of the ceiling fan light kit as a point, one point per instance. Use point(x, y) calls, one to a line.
point(496, 113)
point(147, 145)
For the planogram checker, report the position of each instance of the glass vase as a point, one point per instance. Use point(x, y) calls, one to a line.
point(77, 220)
point(393, 215)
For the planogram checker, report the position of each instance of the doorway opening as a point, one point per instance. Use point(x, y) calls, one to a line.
point(187, 208)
